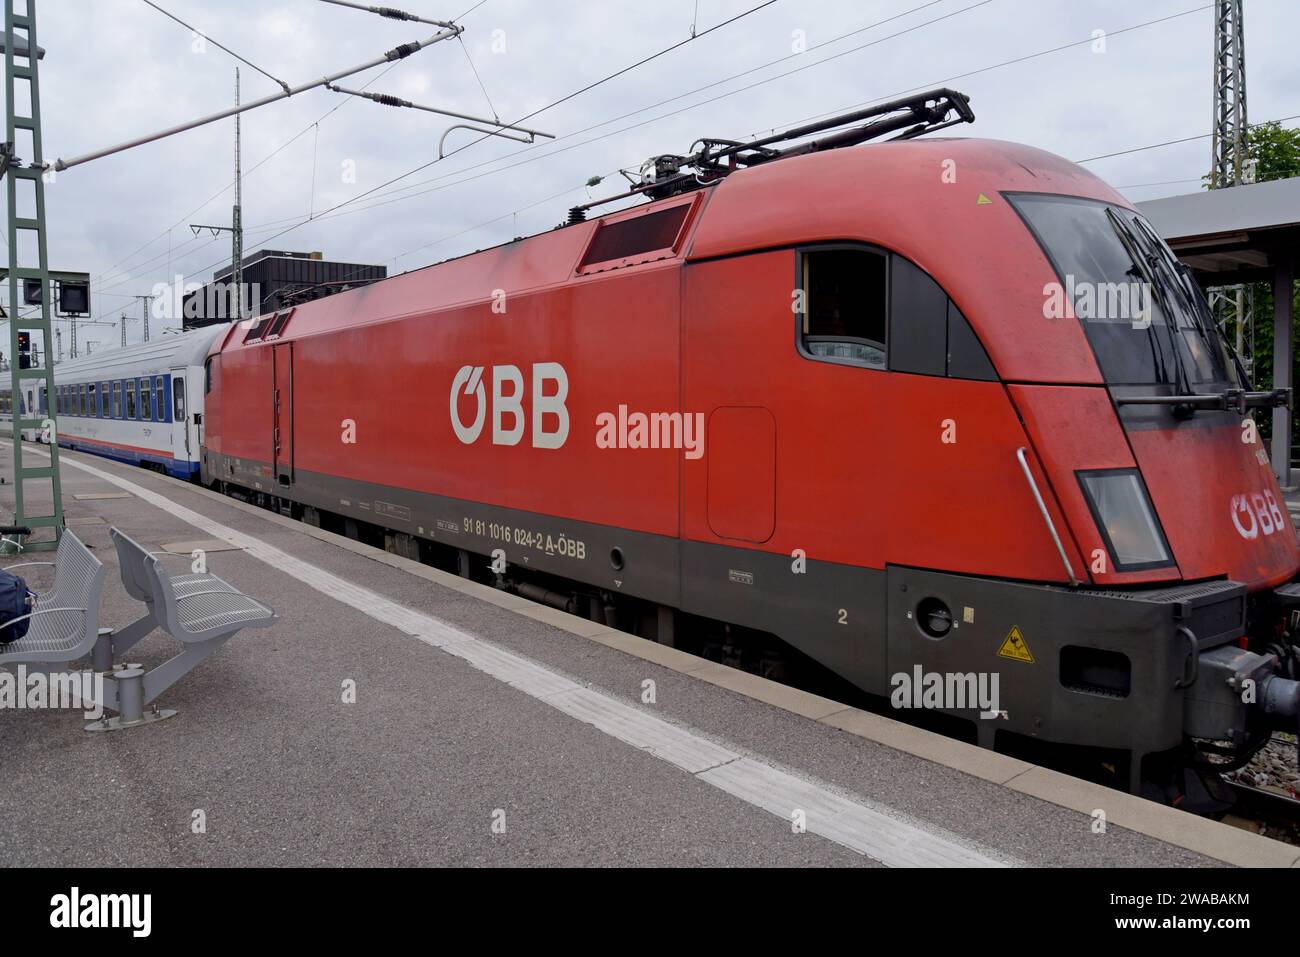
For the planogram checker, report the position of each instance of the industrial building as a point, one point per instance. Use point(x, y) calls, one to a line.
point(272, 279)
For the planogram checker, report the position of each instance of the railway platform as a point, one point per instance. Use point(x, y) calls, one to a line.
point(398, 714)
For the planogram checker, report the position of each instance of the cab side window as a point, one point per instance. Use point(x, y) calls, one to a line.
point(844, 306)
point(858, 305)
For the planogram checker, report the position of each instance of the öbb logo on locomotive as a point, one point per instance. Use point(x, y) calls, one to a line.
point(614, 430)
point(1256, 513)
point(470, 379)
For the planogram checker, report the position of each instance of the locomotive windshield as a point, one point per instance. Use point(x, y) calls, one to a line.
point(1145, 318)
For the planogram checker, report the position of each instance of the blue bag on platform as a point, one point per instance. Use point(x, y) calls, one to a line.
point(13, 604)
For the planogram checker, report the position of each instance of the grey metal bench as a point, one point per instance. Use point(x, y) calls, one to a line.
point(131, 559)
point(202, 612)
point(65, 623)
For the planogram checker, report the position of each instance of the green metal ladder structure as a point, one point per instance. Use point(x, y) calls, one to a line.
point(27, 415)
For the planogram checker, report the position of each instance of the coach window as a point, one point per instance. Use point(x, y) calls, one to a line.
point(92, 397)
point(160, 398)
point(844, 309)
point(130, 398)
point(178, 399)
point(83, 399)
point(117, 399)
point(105, 400)
point(146, 400)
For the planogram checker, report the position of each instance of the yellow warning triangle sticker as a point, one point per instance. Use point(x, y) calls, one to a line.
point(983, 201)
point(1014, 646)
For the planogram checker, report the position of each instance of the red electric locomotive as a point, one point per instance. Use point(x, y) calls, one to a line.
point(885, 403)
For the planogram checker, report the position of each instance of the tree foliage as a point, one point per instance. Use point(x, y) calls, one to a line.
point(1276, 154)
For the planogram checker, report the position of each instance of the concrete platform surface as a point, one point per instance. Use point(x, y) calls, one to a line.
point(487, 730)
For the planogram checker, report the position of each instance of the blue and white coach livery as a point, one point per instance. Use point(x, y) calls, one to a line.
point(141, 404)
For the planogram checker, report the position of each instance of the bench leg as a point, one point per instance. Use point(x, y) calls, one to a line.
point(113, 645)
point(129, 689)
point(126, 696)
point(101, 658)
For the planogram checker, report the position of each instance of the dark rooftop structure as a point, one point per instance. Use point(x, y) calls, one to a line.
point(274, 279)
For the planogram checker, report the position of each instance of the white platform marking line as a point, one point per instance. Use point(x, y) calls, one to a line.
point(888, 839)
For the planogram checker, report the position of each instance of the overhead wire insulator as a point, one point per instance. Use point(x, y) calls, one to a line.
point(392, 13)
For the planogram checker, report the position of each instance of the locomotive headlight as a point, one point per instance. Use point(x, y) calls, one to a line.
point(1122, 509)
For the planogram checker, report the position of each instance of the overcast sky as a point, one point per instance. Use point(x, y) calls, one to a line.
point(116, 69)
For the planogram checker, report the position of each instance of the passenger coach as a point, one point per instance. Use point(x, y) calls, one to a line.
point(142, 404)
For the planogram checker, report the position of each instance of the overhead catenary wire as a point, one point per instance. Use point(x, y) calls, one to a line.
point(388, 100)
point(333, 211)
point(225, 189)
point(273, 153)
point(219, 46)
point(1202, 178)
point(470, 10)
point(540, 110)
point(470, 60)
point(336, 211)
point(998, 65)
point(397, 53)
point(1091, 38)
point(554, 152)
point(570, 96)
point(1185, 139)
point(934, 83)
point(397, 197)
point(389, 12)
point(755, 69)
point(707, 86)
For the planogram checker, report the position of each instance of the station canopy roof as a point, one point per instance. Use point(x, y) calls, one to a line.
point(1238, 234)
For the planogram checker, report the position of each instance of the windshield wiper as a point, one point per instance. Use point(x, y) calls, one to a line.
point(1196, 311)
point(1145, 274)
point(1172, 274)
